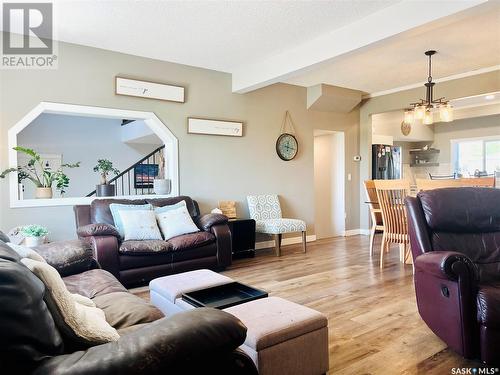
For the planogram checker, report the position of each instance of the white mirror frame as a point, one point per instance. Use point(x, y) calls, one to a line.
point(150, 119)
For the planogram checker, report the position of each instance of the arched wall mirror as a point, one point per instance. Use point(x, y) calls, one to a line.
point(65, 154)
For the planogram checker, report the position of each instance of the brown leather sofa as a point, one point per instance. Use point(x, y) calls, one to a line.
point(138, 262)
point(33, 341)
point(455, 241)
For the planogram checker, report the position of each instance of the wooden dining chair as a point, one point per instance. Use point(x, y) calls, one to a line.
point(486, 182)
point(391, 197)
point(426, 184)
point(375, 212)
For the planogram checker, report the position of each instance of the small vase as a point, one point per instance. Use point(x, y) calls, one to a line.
point(34, 241)
point(105, 190)
point(43, 193)
point(161, 186)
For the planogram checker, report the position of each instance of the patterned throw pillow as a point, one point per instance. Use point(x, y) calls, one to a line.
point(139, 225)
point(115, 207)
point(176, 222)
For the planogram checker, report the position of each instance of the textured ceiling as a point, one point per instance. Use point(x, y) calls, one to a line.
point(227, 35)
point(467, 44)
point(219, 35)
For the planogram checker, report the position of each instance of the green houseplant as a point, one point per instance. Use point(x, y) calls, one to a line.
point(34, 234)
point(105, 167)
point(41, 175)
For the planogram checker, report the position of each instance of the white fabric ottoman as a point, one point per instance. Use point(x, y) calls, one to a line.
point(166, 292)
point(284, 337)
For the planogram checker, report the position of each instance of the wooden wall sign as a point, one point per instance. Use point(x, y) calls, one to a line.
point(149, 90)
point(215, 127)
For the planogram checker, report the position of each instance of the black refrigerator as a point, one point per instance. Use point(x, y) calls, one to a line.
point(386, 162)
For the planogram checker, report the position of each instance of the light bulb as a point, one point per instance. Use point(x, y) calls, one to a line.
point(408, 116)
point(419, 112)
point(427, 120)
point(446, 112)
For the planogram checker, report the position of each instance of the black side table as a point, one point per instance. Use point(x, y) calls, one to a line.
point(243, 237)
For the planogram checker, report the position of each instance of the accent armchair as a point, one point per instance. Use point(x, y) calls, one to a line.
point(266, 211)
point(455, 240)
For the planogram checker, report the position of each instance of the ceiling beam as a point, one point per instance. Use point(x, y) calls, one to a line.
point(383, 24)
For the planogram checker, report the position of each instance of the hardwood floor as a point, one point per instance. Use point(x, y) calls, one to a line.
point(374, 326)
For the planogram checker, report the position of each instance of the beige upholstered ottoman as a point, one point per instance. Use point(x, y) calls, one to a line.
point(284, 337)
point(165, 292)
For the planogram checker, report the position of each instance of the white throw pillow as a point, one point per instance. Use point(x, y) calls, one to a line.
point(115, 209)
point(140, 225)
point(25, 252)
point(170, 207)
point(176, 222)
point(86, 322)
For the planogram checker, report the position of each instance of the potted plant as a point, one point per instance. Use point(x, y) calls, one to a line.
point(40, 174)
point(34, 235)
point(161, 185)
point(105, 167)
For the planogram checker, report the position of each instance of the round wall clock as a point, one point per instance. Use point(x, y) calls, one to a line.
point(287, 146)
point(405, 128)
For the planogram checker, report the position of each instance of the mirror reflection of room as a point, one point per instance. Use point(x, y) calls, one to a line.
point(79, 147)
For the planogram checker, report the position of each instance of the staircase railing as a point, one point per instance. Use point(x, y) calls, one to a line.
point(137, 180)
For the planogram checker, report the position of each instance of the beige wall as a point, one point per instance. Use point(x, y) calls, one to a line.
point(458, 88)
point(211, 167)
point(389, 124)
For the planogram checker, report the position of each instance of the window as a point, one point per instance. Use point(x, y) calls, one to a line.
point(492, 156)
point(470, 156)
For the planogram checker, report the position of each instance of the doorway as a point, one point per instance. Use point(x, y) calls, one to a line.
point(329, 183)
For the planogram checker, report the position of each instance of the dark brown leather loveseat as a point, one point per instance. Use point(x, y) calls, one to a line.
point(34, 341)
point(138, 262)
point(455, 241)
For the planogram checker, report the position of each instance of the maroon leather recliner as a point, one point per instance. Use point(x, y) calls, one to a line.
point(138, 262)
point(455, 241)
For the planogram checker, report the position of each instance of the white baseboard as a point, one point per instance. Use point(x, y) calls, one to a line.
point(355, 232)
point(284, 241)
point(311, 238)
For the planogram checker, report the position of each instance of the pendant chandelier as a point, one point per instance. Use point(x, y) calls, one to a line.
point(424, 109)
